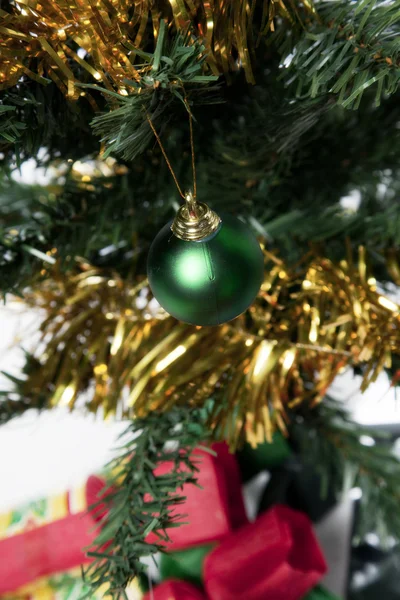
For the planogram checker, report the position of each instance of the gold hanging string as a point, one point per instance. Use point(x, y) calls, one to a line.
point(191, 151)
point(166, 157)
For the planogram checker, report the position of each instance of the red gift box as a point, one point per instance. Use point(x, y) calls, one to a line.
point(41, 550)
point(214, 511)
point(175, 590)
point(233, 485)
point(277, 557)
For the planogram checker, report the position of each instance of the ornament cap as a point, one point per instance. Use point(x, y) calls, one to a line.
point(194, 221)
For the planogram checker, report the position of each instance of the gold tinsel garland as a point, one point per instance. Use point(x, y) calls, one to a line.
point(108, 336)
point(46, 38)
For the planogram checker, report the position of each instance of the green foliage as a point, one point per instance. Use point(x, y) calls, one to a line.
point(350, 48)
point(141, 501)
point(40, 117)
point(35, 219)
point(174, 68)
point(10, 128)
point(10, 409)
point(283, 166)
point(15, 403)
point(289, 163)
point(330, 440)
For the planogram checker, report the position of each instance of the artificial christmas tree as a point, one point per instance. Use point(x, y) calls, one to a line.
point(283, 116)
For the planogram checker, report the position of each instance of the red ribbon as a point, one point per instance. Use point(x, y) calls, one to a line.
point(175, 590)
point(275, 558)
point(215, 509)
point(51, 548)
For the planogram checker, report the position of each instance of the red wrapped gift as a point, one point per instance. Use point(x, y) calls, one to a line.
point(233, 484)
point(214, 511)
point(47, 537)
point(175, 590)
point(275, 558)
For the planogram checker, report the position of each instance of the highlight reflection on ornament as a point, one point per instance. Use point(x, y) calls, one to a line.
point(192, 269)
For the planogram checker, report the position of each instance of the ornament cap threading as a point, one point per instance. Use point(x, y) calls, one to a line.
point(194, 221)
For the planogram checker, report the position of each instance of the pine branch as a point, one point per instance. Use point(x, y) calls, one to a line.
point(285, 163)
point(330, 440)
point(125, 129)
point(34, 220)
point(10, 409)
point(141, 502)
point(41, 117)
point(290, 163)
point(16, 403)
point(10, 127)
point(292, 197)
point(352, 47)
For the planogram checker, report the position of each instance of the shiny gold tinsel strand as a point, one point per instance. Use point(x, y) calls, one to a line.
point(103, 334)
point(103, 37)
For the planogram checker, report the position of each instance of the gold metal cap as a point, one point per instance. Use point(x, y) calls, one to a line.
point(194, 221)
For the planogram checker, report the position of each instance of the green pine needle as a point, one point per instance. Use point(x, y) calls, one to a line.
point(330, 440)
point(352, 47)
point(175, 67)
point(139, 501)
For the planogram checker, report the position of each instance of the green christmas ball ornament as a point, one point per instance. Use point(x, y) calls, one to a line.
point(203, 269)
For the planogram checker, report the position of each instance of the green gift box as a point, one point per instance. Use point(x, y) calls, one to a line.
point(320, 593)
point(264, 457)
point(185, 564)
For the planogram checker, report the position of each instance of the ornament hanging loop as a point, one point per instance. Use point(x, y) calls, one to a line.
point(192, 206)
point(194, 221)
